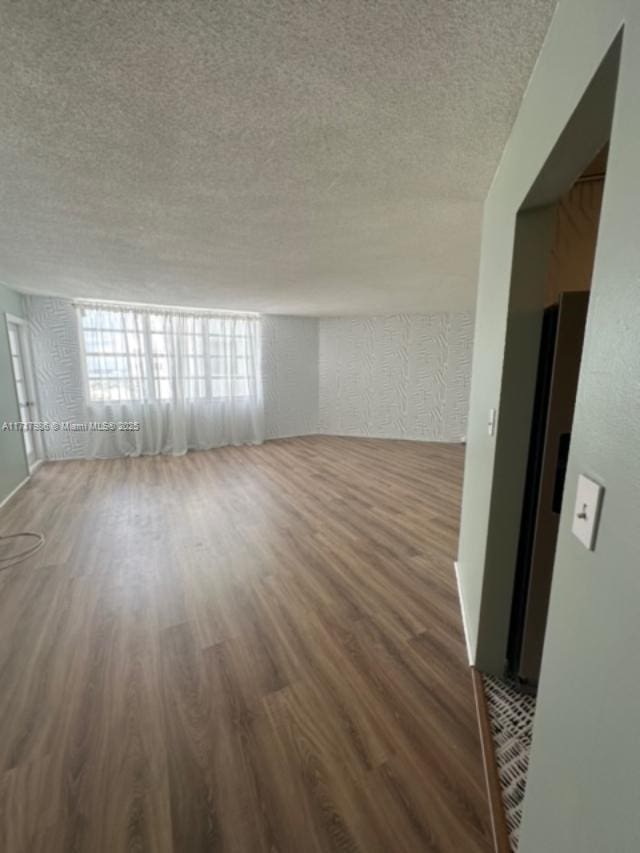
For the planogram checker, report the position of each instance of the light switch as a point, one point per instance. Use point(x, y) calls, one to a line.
point(491, 422)
point(587, 511)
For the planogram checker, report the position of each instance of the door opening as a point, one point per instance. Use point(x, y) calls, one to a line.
point(567, 300)
point(25, 387)
point(530, 290)
point(511, 699)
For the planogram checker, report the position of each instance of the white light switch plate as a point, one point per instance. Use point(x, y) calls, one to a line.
point(587, 511)
point(491, 422)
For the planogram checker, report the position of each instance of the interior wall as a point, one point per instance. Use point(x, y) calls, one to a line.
point(582, 783)
point(58, 370)
point(401, 376)
point(13, 462)
point(290, 375)
point(530, 261)
point(289, 366)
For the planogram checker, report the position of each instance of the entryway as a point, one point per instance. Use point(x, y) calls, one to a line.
point(25, 387)
point(554, 249)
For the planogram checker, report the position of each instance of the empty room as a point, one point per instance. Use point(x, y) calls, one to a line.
point(319, 426)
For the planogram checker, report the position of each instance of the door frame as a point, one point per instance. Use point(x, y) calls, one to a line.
point(586, 131)
point(30, 383)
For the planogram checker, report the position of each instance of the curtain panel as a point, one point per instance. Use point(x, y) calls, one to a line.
point(171, 380)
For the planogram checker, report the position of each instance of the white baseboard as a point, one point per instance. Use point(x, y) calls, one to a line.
point(291, 435)
point(417, 439)
point(464, 616)
point(17, 489)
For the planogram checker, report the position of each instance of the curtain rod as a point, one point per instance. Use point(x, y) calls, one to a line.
point(148, 306)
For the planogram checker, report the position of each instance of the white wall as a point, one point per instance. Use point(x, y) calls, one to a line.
point(582, 788)
point(58, 369)
point(290, 375)
point(401, 376)
point(289, 367)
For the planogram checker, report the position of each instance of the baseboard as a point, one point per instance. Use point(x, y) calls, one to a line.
point(499, 826)
point(291, 435)
point(65, 459)
point(416, 439)
point(17, 489)
point(463, 610)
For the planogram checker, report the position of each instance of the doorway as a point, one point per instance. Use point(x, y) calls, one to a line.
point(511, 699)
point(592, 619)
point(24, 379)
point(515, 356)
point(554, 249)
point(560, 352)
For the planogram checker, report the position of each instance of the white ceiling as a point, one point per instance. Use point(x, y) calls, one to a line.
point(290, 157)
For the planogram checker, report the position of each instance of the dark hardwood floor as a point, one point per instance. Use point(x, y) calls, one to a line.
point(250, 649)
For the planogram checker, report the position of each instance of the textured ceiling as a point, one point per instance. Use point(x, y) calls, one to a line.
point(296, 157)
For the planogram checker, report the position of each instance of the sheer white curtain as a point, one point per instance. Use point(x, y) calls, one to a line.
point(191, 380)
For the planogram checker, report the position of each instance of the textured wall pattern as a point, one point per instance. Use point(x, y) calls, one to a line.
point(58, 369)
point(399, 376)
point(289, 366)
point(290, 375)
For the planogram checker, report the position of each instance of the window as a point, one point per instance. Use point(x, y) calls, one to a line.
point(136, 354)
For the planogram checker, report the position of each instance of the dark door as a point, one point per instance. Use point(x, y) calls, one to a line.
point(562, 397)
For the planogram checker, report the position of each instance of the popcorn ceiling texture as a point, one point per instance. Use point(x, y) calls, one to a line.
point(288, 157)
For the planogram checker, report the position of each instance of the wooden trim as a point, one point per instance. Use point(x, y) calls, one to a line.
point(494, 793)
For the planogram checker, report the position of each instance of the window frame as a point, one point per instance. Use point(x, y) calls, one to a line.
point(198, 350)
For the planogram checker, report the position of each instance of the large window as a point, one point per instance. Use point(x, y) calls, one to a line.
point(136, 354)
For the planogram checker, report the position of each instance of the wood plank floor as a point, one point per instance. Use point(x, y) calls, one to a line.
point(250, 649)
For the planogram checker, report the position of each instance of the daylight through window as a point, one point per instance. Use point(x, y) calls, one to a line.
point(136, 354)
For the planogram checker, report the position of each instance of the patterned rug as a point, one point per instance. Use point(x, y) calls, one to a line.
point(511, 717)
